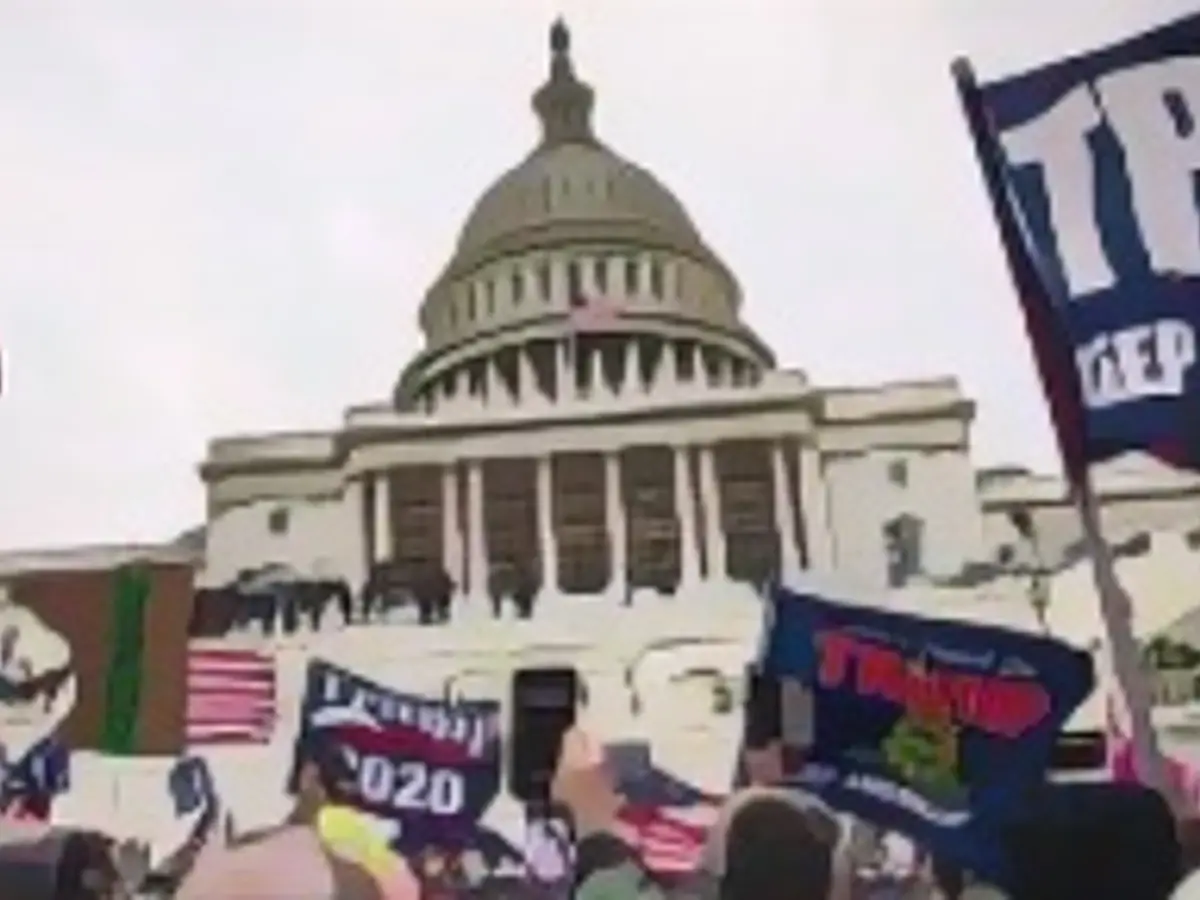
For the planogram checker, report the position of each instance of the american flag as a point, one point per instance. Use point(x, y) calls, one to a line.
point(669, 840)
point(230, 697)
point(593, 313)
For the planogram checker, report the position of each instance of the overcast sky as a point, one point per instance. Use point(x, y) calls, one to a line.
point(219, 216)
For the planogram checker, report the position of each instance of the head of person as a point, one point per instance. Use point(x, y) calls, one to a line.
point(86, 870)
point(323, 774)
point(771, 844)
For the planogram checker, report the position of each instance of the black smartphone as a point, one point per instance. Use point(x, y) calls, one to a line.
point(543, 709)
point(763, 721)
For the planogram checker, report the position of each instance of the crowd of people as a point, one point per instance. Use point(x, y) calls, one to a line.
point(275, 601)
point(768, 843)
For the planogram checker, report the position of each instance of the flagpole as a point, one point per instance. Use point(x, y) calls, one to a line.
point(1057, 372)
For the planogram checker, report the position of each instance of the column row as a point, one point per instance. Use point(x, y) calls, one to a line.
point(701, 536)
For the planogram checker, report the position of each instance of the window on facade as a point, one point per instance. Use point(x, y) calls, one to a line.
point(574, 283)
point(601, 275)
point(902, 540)
point(631, 276)
point(897, 472)
point(543, 277)
point(278, 521)
point(723, 699)
point(517, 286)
point(656, 279)
point(471, 305)
point(489, 288)
point(452, 315)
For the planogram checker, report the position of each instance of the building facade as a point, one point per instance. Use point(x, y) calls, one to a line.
point(590, 409)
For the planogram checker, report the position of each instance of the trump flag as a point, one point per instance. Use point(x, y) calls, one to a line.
point(1096, 159)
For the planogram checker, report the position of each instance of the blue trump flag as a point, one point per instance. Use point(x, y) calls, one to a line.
point(928, 727)
point(431, 767)
point(1090, 164)
point(1094, 159)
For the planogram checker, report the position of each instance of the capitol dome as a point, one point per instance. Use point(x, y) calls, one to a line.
point(577, 259)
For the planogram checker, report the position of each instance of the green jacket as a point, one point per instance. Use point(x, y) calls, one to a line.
point(606, 868)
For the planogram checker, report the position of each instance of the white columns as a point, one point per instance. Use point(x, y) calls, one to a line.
point(710, 499)
point(631, 383)
point(785, 523)
point(614, 517)
point(358, 563)
point(477, 561)
point(488, 385)
point(383, 517)
point(668, 369)
point(689, 561)
point(527, 383)
point(452, 547)
point(814, 502)
point(594, 379)
point(545, 522)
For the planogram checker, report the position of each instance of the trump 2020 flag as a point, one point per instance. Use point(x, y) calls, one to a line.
point(932, 728)
point(430, 767)
point(1100, 154)
point(1090, 163)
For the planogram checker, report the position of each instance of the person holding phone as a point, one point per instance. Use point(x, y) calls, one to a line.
point(768, 843)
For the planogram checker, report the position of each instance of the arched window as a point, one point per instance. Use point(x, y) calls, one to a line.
point(543, 276)
point(489, 288)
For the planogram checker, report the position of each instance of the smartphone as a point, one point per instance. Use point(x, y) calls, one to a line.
point(763, 721)
point(543, 709)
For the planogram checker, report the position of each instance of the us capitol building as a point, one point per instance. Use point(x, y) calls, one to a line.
point(590, 406)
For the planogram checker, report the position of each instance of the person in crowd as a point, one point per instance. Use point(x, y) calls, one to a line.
point(500, 585)
point(164, 879)
point(525, 589)
point(767, 844)
point(323, 773)
point(443, 593)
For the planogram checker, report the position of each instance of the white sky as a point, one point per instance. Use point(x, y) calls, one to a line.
point(220, 215)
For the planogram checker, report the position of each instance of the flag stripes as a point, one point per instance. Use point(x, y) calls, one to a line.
point(668, 841)
point(230, 697)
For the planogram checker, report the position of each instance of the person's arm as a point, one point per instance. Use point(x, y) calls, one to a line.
point(169, 874)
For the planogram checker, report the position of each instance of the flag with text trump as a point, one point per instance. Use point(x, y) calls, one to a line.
point(1097, 157)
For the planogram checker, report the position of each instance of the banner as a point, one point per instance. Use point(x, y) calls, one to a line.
point(1100, 155)
point(1090, 166)
point(431, 767)
point(926, 727)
